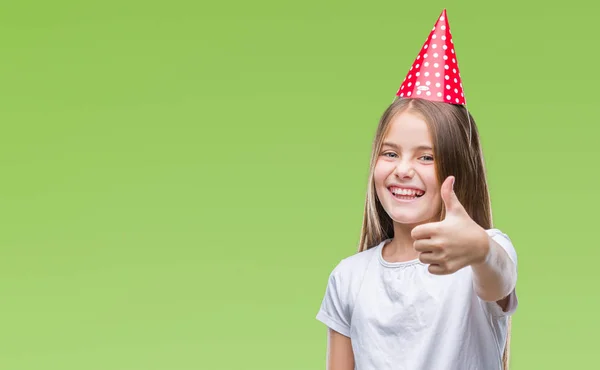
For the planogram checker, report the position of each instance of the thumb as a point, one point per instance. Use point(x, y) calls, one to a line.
point(449, 196)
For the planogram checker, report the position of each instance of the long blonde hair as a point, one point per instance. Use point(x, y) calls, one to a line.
point(457, 151)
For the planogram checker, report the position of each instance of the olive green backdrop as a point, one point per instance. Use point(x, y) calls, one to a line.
point(179, 178)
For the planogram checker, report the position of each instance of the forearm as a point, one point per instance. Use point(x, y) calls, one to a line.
point(496, 276)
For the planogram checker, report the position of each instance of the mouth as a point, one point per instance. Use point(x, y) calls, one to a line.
point(406, 194)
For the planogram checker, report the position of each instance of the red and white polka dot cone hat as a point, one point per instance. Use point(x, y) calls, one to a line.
point(434, 75)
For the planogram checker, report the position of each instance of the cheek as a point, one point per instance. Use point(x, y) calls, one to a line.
point(434, 190)
point(430, 178)
point(432, 183)
point(380, 173)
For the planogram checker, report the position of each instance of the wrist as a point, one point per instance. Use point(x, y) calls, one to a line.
point(483, 248)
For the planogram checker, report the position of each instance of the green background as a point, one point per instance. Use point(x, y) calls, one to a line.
point(179, 178)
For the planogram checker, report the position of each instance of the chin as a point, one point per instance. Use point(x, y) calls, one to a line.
point(410, 214)
point(408, 219)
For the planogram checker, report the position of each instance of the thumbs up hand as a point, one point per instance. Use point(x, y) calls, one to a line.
point(453, 243)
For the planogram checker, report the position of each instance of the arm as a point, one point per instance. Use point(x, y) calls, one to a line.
point(496, 276)
point(339, 351)
point(458, 241)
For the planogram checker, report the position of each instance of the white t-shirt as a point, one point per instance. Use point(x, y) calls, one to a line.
point(400, 316)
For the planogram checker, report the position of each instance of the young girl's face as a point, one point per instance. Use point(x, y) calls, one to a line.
point(405, 176)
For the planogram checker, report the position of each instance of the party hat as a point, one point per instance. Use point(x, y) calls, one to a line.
point(434, 75)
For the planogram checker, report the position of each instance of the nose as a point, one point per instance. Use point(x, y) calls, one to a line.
point(404, 169)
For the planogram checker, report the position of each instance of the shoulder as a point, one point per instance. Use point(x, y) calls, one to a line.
point(349, 273)
point(496, 233)
point(504, 241)
point(357, 262)
point(344, 284)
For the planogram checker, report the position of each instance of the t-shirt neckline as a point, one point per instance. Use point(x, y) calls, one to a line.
point(394, 264)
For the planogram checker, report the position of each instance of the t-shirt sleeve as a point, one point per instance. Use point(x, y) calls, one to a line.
point(335, 308)
point(493, 307)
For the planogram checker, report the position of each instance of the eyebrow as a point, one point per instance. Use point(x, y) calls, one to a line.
point(420, 147)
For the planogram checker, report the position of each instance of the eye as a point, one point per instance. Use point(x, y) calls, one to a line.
point(427, 157)
point(389, 154)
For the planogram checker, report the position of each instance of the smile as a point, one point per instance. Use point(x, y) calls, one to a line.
point(406, 194)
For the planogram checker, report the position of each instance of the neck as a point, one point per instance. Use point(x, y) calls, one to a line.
point(401, 247)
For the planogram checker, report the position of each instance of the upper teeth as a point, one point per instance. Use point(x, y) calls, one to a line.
point(413, 192)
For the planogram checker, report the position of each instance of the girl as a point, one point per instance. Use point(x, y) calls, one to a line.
point(433, 283)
